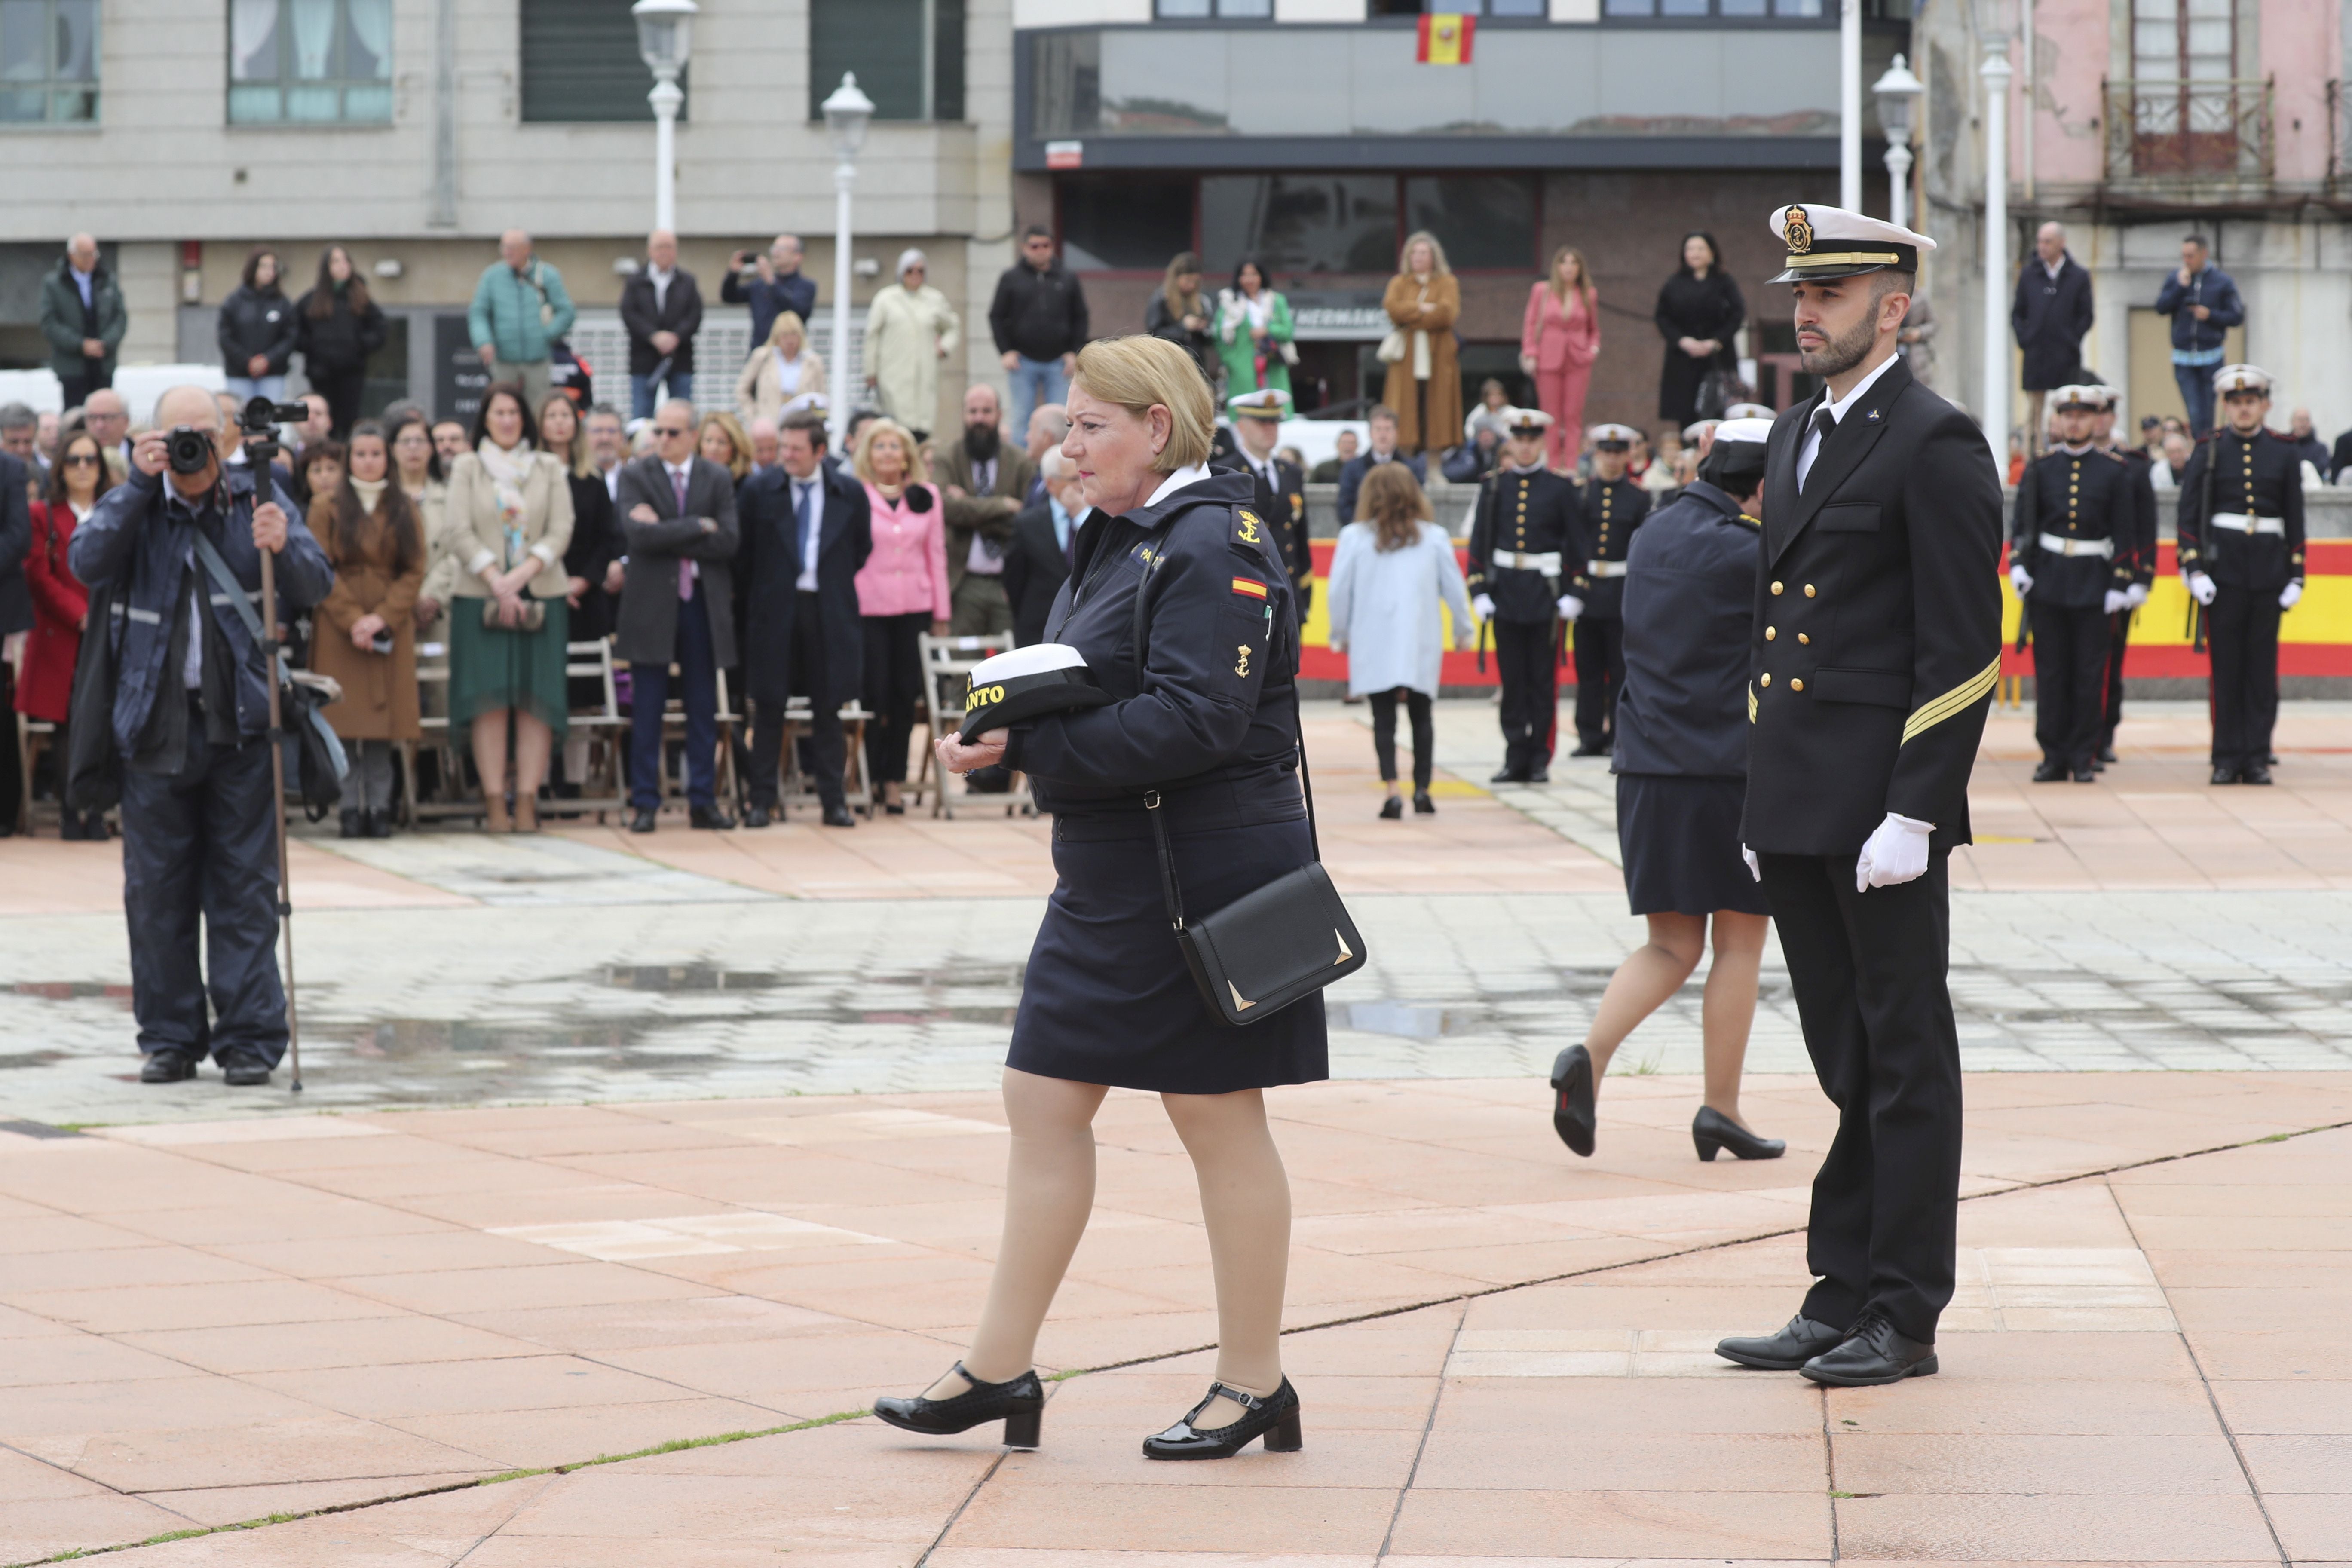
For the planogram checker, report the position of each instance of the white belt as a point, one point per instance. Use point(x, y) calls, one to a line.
point(2239, 522)
point(1516, 560)
point(1605, 568)
point(2102, 548)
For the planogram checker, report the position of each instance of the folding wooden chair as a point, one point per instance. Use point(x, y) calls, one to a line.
point(947, 664)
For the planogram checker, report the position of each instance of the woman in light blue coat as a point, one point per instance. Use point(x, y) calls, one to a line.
point(1392, 567)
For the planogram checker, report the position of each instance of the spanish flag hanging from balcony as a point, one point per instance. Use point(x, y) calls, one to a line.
point(1445, 38)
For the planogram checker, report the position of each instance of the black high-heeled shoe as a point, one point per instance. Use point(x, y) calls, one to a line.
point(1711, 1129)
point(1273, 1416)
point(1019, 1404)
point(1572, 1115)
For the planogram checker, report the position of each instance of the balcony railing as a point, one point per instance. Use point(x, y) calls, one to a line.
point(2188, 131)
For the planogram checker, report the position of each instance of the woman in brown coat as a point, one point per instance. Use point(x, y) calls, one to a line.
point(365, 630)
point(1424, 384)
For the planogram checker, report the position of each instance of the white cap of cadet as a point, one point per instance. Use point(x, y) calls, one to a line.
point(1831, 242)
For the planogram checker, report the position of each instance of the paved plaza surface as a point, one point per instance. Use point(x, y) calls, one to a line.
point(691, 1144)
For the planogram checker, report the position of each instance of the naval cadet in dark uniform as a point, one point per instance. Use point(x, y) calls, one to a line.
point(2069, 559)
point(1876, 649)
point(1281, 498)
point(2142, 558)
point(1519, 545)
point(1609, 507)
point(2240, 542)
point(1208, 726)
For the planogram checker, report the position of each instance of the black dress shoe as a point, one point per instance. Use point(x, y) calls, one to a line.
point(2222, 775)
point(1711, 1129)
point(1393, 809)
point(350, 827)
point(1792, 1348)
point(2050, 772)
point(1421, 805)
point(756, 817)
point(899, 808)
point(2254, 775)
point(837, 815)
point(168, 1066)
point(1872, 1353)
point(379, 824)
point(710, 818)
point(2107, 754)
point(1019, 1404)
point(1511, 773)
point(1589, 749)
point(1572, 1115)
point(1273, 1416)
point(643, 822)
point(244, 1072)
point(1539, 773)
point(2086, 773)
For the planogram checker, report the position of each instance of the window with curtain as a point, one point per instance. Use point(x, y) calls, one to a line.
point(908, 54)
point(48, 61)
point(581, 64)
point(308, 62)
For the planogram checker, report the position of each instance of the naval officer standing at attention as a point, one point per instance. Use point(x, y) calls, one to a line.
point(2071, 560)
point(1524, 521)
point(1877, 647)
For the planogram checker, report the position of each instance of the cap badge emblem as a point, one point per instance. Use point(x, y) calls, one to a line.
point(1799, 231)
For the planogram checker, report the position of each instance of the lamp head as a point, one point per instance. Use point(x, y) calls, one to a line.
point(1898, 93)
point(846, 114)
point(664, 35)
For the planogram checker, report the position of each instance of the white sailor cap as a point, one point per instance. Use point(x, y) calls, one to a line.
point(1756, 430)
point(1266, 403)
point(1831, 242)
point(805, 402)
point(1736, 461)
point(1615, 434)
point(2233, 378)
point(2080, 394)
point(1042, 677)
point(1525, 421)
point(1751, 411)
point(1694, 433)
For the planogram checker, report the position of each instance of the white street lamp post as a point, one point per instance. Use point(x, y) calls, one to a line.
point(1898, 98)
point(1850, 105)
point(846, 114)
point(1996, 74)
point(664, 38)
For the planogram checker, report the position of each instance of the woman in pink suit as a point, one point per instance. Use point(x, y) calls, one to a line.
point(1558, 341)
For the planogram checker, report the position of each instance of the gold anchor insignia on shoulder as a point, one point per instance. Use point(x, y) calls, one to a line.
point(1799, 231)
point(1243, 668)
point(1248, 533)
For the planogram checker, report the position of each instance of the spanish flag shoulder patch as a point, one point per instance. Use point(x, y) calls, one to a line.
point(1249, 586)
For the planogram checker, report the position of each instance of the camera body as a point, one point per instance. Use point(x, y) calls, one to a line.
point(188, 449)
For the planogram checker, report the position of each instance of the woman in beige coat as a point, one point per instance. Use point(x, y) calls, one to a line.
point(778, 370)
point(365, 630)
point(909, 328)
point(509, 522)
point(1424, 386)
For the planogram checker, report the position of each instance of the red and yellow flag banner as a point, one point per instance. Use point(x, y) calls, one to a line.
point(1445, 38)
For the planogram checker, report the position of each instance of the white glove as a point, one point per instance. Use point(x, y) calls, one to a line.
point(2200, 587)
point(2289, 595)
point(2136, 595)
point(1897, 852)
point(2117, 600)
point(2022, 580)
point(1754, 870)
point(1571, 606)
point(1482, 606)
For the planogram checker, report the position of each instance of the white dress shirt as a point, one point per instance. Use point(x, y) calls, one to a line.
point(661, 287)
point(1837, 407)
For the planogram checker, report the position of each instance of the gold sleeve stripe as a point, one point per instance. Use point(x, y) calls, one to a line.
point(1953, 701)
point(1751, 702)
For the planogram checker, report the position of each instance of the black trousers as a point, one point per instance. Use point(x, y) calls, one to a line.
point(828, 751)
point(1425, 734)
point(1527, 661)
point(13, 785)
point(78, 388)
point(2243, 633)
point(1868, 970)
point(2112, 713)
point(2069, 677)
point(1599, 675)
point(340, 386)
point(894, 684)
point(201, 846)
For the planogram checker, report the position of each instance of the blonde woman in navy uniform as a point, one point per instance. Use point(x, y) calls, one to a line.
point(1211, 724)
point(1878, 644)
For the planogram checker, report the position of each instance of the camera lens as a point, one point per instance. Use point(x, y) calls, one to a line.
point(189, 450)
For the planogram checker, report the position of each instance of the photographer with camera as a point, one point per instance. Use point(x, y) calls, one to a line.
point(191, 716)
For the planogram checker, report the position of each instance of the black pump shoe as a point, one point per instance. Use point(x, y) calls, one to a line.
point(1421, 805)
point(1273, 1416)
point(1572, 1114)
point(1711, 1129)
point(1393, 809)
point(1019, 1404)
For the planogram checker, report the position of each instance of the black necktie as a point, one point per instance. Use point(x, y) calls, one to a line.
point(1824, 422)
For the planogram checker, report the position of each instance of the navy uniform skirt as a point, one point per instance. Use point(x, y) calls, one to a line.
point(1679, 838)
point(1109, 998)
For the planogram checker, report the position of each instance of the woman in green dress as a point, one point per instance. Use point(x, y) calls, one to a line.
point(509, 517)
point(1253, 332)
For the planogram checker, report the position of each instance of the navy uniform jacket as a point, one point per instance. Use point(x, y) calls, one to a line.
point(1209, 721)
point(1282, 504)
point(1877, 639)
point(2260, 479)
point(1608, 512)
point(1524, 514)
point(1690, 612)
point(2069, 494)
point(2137, 464)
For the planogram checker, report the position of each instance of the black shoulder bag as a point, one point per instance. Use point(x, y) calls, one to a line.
point(1269, 948)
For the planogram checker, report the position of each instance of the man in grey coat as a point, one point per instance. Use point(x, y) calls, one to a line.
point(677, 515)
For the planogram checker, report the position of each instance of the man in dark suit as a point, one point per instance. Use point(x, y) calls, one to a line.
point(661, 305)
point(1382, 425)
point(1281, 487)
point(677, 515)
point(807, 530)
point(2051, 313)
point(2070, 559)
point(1877, 648)
point(1045, 538)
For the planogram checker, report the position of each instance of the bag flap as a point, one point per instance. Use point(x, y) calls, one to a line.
point(1271, 946)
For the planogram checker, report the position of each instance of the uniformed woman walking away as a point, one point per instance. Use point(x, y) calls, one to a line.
point(1210, 724)
point(1681, 763)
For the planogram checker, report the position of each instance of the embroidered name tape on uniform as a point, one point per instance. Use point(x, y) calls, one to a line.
point(1249, 586)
